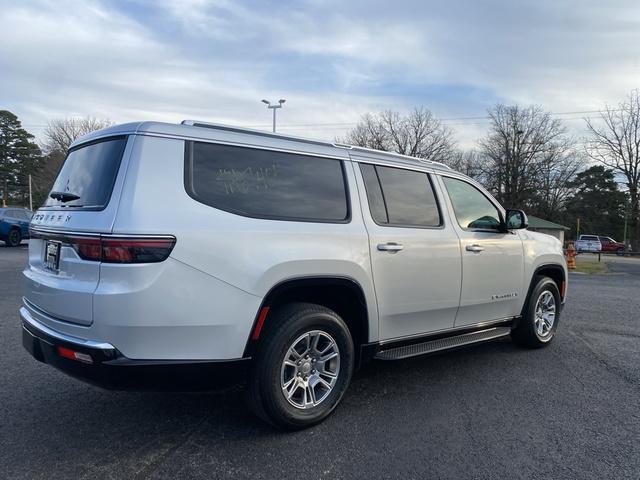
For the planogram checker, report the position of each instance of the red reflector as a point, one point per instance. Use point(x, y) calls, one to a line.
point(260, 322)
point(66, 353)
point(73, 355)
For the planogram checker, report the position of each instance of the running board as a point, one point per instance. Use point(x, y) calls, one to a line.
point(416, 349)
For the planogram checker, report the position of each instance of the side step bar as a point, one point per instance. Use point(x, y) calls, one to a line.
point(414, 350)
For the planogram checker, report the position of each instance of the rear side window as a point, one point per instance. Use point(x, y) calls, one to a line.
point(88, 174)
point(399, 197)
point(266, 184)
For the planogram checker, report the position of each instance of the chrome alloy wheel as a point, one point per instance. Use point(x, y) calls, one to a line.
point(310, 369)
point(545, 313)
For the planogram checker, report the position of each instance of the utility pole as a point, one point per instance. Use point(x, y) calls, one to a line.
point(274, 107)
point(30, 196)
point(578, 229)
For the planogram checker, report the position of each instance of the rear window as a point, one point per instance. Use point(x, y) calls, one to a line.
point(88, 173)
point(590, 238)
point(266, 184)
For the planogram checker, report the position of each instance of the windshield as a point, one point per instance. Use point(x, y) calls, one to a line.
point(88, 174)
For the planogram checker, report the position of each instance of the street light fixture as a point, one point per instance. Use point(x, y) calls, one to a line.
point(274, 107)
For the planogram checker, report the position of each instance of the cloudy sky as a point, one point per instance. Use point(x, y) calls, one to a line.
point(332, 60)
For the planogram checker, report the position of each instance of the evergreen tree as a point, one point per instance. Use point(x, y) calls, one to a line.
point(597, 202)
point(20, 156)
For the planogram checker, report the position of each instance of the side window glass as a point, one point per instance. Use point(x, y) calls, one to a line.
point(473, 210)
point(267, 184)
point(399, 197)
point(374, 193)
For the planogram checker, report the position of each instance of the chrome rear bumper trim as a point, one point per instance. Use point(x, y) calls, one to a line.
point(34, 324)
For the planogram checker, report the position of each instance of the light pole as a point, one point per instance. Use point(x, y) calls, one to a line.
point(274, 107)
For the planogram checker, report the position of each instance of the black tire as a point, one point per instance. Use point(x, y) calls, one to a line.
point(13, 238)
point(287, 324)
point(620, 252)
point(526, 333)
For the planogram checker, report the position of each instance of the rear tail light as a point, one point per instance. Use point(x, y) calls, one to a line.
point(123, 249)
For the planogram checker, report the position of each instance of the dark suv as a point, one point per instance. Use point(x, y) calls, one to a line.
point(14, 225)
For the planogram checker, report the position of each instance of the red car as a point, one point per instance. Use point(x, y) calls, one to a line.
point(610, 245)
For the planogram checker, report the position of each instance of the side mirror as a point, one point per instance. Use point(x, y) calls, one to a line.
point(516, 220)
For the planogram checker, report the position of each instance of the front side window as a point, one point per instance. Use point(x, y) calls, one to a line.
point(266, 184)
point(400, 197)
point(473, 210)
point(88, 175)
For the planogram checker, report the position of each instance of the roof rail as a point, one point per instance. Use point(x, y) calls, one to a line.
point(395, 154)
point(227, 128)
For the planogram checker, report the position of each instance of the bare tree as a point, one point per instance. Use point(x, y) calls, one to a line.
point(614, 141)
point(418, 134)
point(62, 132)
point(469, 162)
point(556, 173)
point(59, 135)
point(524, 146)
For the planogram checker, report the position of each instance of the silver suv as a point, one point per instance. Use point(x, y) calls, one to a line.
point(189, 256)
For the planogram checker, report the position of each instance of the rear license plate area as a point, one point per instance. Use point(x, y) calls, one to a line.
point(52, 255)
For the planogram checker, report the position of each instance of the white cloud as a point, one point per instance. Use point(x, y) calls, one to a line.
point(333, 61)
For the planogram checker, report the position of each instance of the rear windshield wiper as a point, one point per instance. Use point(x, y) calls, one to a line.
point(64, 196)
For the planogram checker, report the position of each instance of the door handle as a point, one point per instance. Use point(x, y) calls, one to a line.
point(391, 247)
point(474, 248)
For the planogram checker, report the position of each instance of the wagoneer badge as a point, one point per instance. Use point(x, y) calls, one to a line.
point(504, 296)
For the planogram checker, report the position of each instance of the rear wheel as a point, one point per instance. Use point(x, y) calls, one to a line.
point(14, 238)
point(538, 325)
point(620, 252)
point(302, 367)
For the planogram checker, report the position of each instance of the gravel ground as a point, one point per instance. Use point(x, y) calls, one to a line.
point(571, 410)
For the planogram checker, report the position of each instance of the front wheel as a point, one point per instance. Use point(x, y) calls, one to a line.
point(302, 368)
point(539, 323)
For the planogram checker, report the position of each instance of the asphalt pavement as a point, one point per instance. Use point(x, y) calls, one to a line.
point(571, 410)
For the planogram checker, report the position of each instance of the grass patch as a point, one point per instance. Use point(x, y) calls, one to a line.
point(591, 267)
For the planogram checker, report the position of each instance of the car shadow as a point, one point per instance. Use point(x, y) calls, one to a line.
point(379, 384)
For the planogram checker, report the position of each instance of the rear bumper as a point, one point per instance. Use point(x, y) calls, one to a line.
point(112, 370)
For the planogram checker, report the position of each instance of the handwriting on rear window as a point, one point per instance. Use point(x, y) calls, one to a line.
point(250, 179)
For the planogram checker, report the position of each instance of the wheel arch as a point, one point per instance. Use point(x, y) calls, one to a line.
point(344, 295)
point(555, 271)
